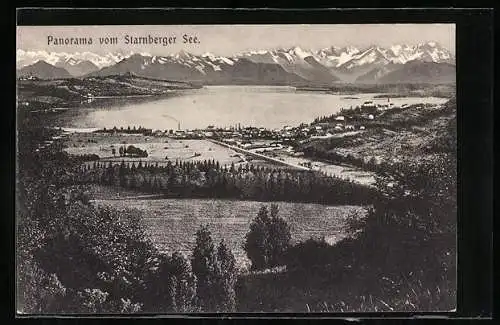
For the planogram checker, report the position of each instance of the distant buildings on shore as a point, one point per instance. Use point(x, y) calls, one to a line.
point(346, 120)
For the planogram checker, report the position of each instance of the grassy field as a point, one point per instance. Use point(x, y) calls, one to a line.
point(172, 223)
point(158, 148)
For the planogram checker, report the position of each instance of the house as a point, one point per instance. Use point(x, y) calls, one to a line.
point(368, 104)
point(349, 127)
point(371, 117)
point(382, 107)
point(361, 127)
point(340, 118)
point(338, 128)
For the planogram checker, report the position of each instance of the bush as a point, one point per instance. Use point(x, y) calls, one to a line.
point(171, 287)
point(268, 239)
point(38, 291)
point(308, 254)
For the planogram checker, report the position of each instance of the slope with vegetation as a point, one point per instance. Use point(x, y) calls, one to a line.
point(63, 92)
point(401, 257)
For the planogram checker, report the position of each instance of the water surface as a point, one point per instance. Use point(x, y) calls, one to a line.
point(224, 106)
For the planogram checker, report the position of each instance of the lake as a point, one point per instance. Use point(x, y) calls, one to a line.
point(172, 223)
point(222, 106)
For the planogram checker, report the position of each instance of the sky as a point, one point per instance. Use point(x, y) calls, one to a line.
point(234, 39)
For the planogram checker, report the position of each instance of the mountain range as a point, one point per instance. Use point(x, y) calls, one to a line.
point(423, 63)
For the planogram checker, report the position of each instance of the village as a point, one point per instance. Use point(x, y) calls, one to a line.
point(346, 122)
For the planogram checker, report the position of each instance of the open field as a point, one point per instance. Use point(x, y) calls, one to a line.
point(172, 223)
point(158, 148)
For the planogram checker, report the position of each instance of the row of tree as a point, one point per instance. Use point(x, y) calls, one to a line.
point(209, 179)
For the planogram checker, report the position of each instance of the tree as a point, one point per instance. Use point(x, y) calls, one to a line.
point(227, 278)
point(268, 239)
point(215, 272)
point(256, 242)
point(185, 283)
point(204, 263)
point(280, 234)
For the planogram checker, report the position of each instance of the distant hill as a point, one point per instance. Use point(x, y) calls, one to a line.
point(421, 72)
point(377, 73)
point(246, 71)
point(77, 68)
point(43, 70)
point(61, 92)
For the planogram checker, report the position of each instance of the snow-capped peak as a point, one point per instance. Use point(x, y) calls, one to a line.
point(208, 55)
point(300, 52)
point(24, 58)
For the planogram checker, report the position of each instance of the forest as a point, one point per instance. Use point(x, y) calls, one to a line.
point(210, 180)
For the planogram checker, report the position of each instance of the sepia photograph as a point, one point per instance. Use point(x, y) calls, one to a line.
point(187, 169)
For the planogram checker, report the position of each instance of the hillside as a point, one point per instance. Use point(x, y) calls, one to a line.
point(77, 68)
point(43, 70)
point(389, 138)
point(421, 72)
point(64, 91)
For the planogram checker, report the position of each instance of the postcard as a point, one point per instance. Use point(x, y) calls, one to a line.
point(187, 169)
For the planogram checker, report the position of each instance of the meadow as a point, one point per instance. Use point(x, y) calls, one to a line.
point(159, 148)
point(172, 223)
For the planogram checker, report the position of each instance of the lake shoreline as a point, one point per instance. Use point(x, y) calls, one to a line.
point(259, 106)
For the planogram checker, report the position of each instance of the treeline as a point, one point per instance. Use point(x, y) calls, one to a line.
point(210, 179)
point(128, 130)
point(325, 119)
